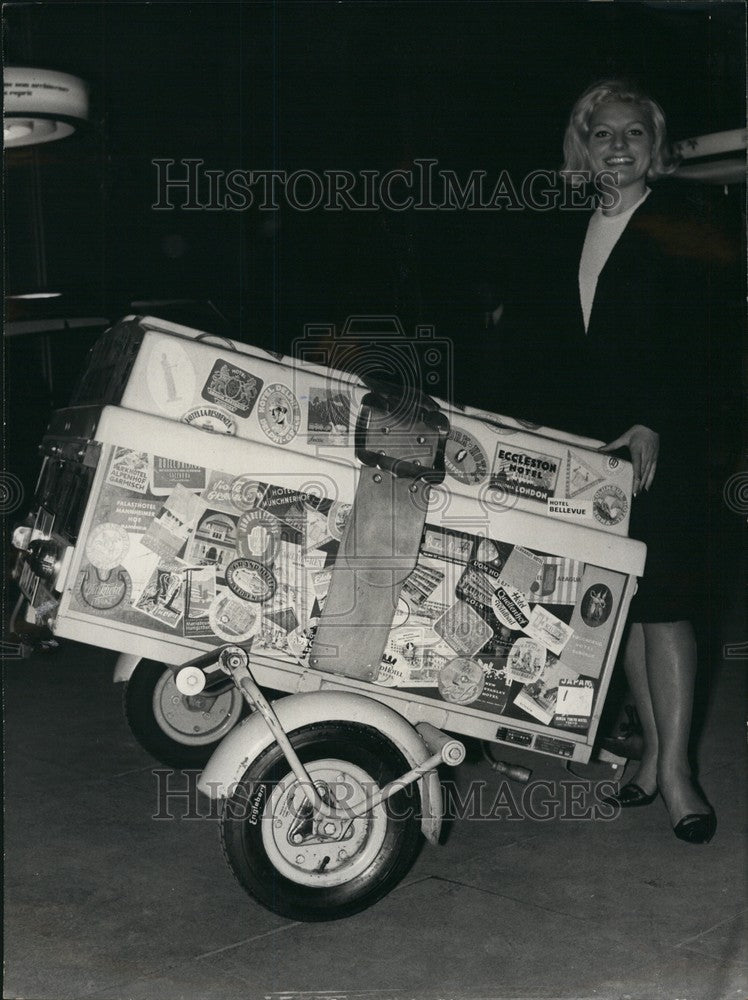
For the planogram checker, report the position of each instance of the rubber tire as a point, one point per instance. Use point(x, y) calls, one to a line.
point(138, 705)
point(247, 857)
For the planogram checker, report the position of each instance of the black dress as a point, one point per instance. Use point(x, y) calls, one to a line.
point(641, 361)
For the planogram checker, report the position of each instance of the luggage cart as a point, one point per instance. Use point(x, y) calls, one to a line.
point(404, 572)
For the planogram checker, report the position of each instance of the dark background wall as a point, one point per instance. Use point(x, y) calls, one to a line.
point(362, 86)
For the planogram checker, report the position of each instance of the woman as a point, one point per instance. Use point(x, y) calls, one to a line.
point(616, 347)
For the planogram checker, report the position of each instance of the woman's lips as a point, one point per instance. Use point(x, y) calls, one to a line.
point(619, 161)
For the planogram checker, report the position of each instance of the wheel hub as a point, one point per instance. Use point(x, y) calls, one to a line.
point(193, 719)
point(314, 849)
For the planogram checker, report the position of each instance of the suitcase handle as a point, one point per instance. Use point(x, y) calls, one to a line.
point(420, 427)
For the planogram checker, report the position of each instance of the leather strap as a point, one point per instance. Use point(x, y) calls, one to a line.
point(380, 545)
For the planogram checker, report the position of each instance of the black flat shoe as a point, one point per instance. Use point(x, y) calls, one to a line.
point(696, 828)
point(631, 795)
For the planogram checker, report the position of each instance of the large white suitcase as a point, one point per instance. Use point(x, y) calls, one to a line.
point(159, 537)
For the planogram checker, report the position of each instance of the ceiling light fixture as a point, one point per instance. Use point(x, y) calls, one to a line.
point(41, 105)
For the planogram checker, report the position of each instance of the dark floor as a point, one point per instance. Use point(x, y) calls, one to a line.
point(103, 900)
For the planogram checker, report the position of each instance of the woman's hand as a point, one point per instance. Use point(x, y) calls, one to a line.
point(644, 447)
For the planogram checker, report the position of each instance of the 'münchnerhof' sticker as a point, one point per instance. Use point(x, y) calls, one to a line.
point(279, 413)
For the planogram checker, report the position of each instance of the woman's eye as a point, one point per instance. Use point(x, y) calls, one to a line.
point(635, 131)
point(601, 133)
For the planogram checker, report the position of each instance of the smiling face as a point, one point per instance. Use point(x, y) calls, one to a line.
point(620, 141)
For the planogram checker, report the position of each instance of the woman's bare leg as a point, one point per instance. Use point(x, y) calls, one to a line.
point(635, 666)
point(670, 658)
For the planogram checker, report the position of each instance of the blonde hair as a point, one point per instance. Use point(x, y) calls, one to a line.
point(576, 157)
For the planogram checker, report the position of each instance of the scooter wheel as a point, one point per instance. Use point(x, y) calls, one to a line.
point(178, 730)
point(283, 857)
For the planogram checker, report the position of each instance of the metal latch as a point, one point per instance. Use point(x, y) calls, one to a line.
point(403, 432)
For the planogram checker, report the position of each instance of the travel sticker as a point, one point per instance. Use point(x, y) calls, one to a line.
point(421, 583)
point(210, 418)
point(279, 413)
point(580, 477)
point(258, 535)
point(199, 593)
point(559, 507)
point(478, 583)
point(104, 593)
point(246, 492)
point(233, 619)
point(134, 514)
point(522, 473)
point(170, 377)
point(321, 582)
point(337, 518)
point(107, 545)
point(464, 458)
point(461, 681)
point(597, 603)
point(593, 618)
point(539, 698)
point(614, 465)
point(574, 698)
point(463, 629)
point(410, 659)
point(510, 607)
point(328, 416)
point(525, 661)
point(162, 598)
point(130, 470)
point(521, 569)
point(250, 580)
point(442, 544)
point(289, 505)
point(232, 388)
point(558, 581)
point(549, 630)
point(610, 505)
point(173, 525)
point(214, 540)
point(492, 552)
point(300, 640)
point(283, 618)
point(496, 689)
point(316, 531)
point(168, 473)
point(218, 491)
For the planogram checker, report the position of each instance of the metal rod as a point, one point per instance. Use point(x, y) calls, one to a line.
point(236, 661)
point(247, 685)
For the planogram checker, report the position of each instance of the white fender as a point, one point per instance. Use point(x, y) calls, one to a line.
point(244, 744)
point(125, 666)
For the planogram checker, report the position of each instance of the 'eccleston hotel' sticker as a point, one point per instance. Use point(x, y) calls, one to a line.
point(527, 474)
